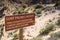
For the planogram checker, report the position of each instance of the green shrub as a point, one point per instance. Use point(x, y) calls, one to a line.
point(45, 31)
point(37, 38)
point(51, 26)
point(15, 37)
point(17, 12)
point(39, 15)
point(38, 6)
point(48, 28)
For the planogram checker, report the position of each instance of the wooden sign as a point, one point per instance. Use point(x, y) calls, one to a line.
point(19, 21)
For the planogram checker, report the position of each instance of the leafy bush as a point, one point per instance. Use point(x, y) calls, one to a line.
point(39, 15)
point(37, 38)
point(48, 28)
point(51, 26)
point(1, 30)
point(15, 37)
point(17, 12)
point(38, 6)
point(45, 31)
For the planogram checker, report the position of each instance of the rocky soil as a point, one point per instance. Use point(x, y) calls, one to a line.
point(45, 15)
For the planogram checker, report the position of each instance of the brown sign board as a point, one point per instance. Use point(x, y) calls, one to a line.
point(19, 21)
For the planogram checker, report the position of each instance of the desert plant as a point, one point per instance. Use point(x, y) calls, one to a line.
point(39, 15)
point(48, 28)
point(17, 12)
point(37, 38)
point(38, 6)
point(15, 37)
point(1, 30)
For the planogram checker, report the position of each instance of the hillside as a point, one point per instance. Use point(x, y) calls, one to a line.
point(47, 19)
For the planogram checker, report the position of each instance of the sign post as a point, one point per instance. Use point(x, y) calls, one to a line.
point(21, 34)
point(19, 21)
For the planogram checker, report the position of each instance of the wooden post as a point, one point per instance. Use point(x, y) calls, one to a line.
point(21, 34)
point(0, 38)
